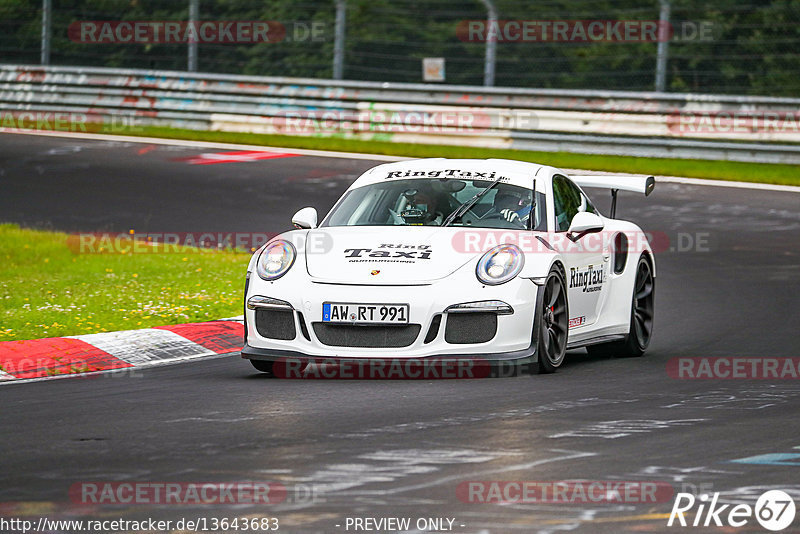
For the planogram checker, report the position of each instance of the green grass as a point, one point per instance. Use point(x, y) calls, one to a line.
point(715, 170)
point(48, 289)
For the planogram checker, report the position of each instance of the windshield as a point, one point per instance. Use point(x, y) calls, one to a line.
point(418, 202)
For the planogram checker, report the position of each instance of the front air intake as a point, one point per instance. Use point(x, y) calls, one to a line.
point(464, 328)
point(275, 324)
point(372, 336)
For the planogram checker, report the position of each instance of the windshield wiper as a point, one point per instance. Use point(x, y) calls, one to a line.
point(463, 208)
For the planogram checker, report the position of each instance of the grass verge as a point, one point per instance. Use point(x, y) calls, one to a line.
point(715, 170)
point(48, 289)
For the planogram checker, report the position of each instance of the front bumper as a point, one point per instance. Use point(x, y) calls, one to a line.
point(513, 340)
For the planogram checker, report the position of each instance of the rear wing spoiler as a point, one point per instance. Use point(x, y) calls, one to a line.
point(637, 184)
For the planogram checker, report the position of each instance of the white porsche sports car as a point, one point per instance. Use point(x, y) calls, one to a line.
point(496, 260)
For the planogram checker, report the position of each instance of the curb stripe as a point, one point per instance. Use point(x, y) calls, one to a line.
point(219, 336)
point(84, 355)
point(139, 347)
point(37, 358)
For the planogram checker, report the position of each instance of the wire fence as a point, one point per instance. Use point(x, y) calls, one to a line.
point(718, 46)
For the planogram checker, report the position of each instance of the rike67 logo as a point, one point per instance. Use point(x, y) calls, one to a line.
point(774, 510)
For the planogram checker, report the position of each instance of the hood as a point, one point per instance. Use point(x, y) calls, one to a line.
point(383, 255)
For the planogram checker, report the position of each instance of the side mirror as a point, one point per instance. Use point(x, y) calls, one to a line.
point(583, 223)
point(305, 218)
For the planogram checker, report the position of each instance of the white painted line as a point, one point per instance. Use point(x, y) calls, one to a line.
point(208, 144)
point(379, 157)
point(6, 376)
point(141, 346)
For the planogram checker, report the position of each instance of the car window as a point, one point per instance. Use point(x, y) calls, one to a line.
point(568, 200)
point(430, 201)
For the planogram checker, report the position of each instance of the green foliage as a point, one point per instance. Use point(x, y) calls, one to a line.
point(49, 289)
point(751, 46)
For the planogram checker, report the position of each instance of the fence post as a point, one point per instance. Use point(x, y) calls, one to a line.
point(338, 42)
point(491, 43)
point(663, 46)
point(47, 8)
point(191, 60)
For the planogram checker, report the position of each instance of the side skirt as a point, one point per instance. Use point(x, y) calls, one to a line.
point(595, 341)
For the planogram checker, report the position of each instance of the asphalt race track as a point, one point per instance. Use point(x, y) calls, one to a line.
point(727, 285)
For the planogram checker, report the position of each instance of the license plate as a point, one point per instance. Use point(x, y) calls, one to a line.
point(350, 312)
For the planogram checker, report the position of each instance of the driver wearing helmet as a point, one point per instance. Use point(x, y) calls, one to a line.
point(419, 208)
point(512, 206)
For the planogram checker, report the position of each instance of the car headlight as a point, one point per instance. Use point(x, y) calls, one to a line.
point(275, 260)
point(500, 265)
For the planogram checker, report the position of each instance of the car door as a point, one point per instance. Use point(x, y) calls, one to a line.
point(586, 260)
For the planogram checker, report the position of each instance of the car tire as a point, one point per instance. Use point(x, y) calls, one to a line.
point(265, 366)
point(641, 324)
point(553, 321)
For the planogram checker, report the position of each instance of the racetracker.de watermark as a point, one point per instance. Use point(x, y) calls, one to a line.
point(393, 368)
point(582, 31)
point(202, 32)
point(70, 366)
point(172, 242)
point(734, 368)
point(732, 123)
point(475, 241)
point(563, 492)
point(467, 241)
point(69, 121)
point(394, 121)
point(174, 493)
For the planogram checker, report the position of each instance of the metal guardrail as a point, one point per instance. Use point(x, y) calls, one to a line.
point(739, 128)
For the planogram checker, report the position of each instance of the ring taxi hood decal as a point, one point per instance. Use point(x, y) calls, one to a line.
point(517, 173)
point(406, 255)
point(447, 173)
